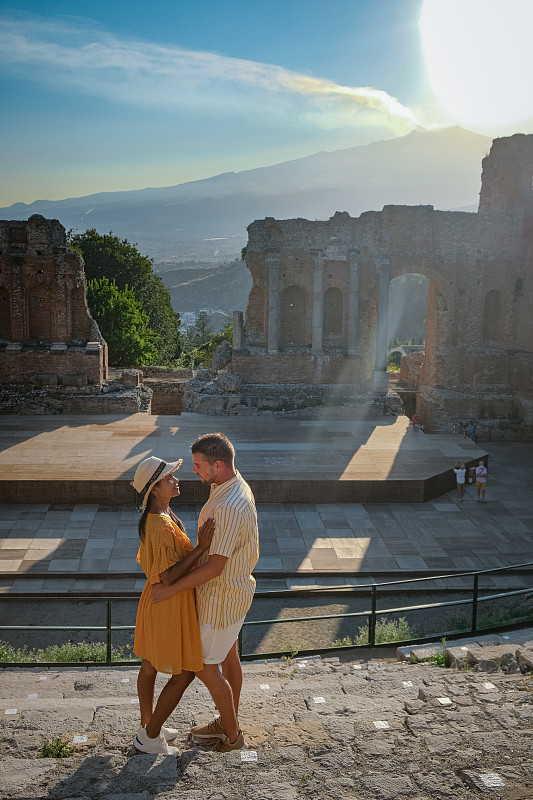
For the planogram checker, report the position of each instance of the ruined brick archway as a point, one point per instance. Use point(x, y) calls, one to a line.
point(5, 314)
point(45, 325)
point(333, 323)
point(294, 321)
point(479, 330)
point(39, 315)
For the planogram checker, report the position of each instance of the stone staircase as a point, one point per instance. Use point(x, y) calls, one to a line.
point(322, 728)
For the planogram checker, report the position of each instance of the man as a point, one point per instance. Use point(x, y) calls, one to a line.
point(224, 584)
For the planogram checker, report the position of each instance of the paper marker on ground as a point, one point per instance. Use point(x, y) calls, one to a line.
point(492, 780)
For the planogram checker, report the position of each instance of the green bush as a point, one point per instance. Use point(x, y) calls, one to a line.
point(56, 748)
point(386, 631)
point(66, 653)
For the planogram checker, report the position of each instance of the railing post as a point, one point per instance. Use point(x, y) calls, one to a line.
point(474, 604)
point(372, 626)
point(108, 631)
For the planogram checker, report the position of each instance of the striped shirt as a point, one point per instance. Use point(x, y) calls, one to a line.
point(225, 599)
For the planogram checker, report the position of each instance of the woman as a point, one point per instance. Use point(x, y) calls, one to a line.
point(167, 637)
point(460, 477)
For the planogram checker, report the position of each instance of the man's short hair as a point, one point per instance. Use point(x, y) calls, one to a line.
point(215, 447)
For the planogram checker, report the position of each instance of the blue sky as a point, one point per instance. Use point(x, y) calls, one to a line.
point(114, 95)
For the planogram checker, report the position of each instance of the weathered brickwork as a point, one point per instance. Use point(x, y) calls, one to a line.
point(318, 308)
point(45, 325)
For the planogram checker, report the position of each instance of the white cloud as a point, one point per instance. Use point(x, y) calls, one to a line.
point(79, 58)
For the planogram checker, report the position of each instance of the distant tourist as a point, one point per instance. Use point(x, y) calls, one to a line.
point(470, 431)
point(481, 481)
point(460, 477)
point(416, 422)
point(224, 585)
point(167, 637)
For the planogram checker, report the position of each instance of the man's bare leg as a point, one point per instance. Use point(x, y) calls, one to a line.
point(220, 691)
point(232, 671)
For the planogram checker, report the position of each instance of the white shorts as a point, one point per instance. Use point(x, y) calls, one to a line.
point(216, 644)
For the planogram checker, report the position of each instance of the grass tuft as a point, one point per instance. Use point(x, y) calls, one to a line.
point(56, 748)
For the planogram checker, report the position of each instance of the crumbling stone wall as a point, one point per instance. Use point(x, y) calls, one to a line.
point(45, 325)
point(319, 304)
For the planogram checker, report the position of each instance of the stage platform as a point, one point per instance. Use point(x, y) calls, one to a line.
point(92, 459)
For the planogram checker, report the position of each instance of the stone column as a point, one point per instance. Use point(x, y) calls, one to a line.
point(353, 308)
point(318, 304)
point(273, 261)
point(238, 330)
point(380, 376)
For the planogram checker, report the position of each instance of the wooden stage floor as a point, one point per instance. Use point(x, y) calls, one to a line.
point(92, 459)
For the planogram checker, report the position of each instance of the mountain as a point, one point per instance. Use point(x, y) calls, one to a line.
point(206, 220)
point(223, 288)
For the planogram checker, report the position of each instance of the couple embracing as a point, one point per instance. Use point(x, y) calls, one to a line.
point(195, 599)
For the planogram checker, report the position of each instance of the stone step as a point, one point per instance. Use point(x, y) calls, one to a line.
point(316, 728)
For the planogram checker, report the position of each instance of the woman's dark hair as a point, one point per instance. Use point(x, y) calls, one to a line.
point(142, 521)
point(215, 447)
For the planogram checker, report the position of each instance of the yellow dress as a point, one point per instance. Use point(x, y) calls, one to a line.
point(166, 633)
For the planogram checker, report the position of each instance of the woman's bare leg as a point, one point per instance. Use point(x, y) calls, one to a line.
point(169, 698)
point(145, 691)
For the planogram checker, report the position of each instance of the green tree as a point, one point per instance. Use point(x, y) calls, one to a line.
point(108, 256)
point(201, 356)
point(200, 333)
point(123, 323)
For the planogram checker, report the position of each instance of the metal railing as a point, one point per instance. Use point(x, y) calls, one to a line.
point(371, 615)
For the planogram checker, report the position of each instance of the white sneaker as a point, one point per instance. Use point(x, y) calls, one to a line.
point(144, 744)
point(169, 733)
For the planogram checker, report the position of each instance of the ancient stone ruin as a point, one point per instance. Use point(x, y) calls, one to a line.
point(315, 331)
point(52, 355)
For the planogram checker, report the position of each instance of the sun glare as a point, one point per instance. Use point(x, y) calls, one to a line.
point(479, 61)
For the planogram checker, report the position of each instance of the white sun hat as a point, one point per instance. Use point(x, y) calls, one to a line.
point(149, 472)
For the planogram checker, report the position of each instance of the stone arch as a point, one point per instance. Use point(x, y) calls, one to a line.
point(5, 314)
point(492, 317)
point(40, 314)
point(333, 325)
point(294, 323)
point(256, 316)
point(408, 303)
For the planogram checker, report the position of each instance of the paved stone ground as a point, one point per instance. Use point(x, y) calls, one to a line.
point(321, 729)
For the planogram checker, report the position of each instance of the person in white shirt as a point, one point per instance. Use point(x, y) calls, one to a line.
point(481, 481)
point(460, 477)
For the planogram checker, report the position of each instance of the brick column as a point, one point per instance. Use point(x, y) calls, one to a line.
point(380, 376)
point(318, 305)
point(353, 308)
point(273, 262)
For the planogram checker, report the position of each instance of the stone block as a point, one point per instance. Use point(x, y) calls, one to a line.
point(229, 382)
point(131, 378)
point(46, 379)
point(76, 380)
point(221, 356)
point(58, 348)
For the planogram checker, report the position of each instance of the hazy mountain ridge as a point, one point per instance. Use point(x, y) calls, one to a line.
point(224, 288)
point(441, 168)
